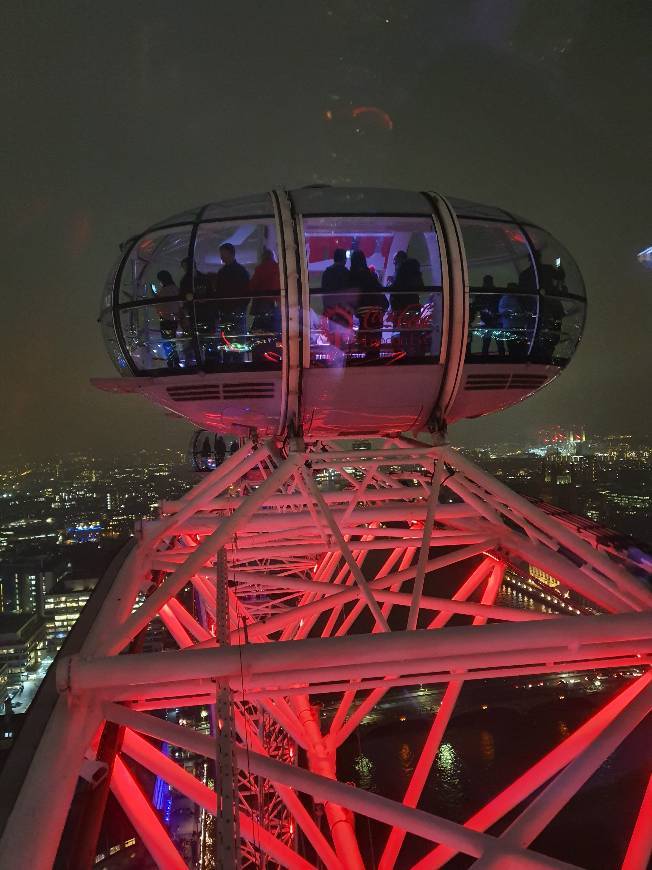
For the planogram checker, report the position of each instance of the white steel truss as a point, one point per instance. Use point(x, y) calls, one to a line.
point(334, 559)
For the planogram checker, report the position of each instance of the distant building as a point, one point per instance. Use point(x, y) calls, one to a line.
point(83, 533)
point(4, 681)
point(24, 581)
point(22, 641)
point(84, 565)
point(62, 610)
point(7, 717)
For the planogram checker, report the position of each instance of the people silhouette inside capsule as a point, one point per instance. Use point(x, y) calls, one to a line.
point(405, 301)
point(549, 277)
point(265, 289)
point(399, 258)
point(551, 317)
point(169, 313)
point(491, 321)
point(336, 277)
point(186, 283)
point(206, 460)
point(339, 304)
point(232, 289)
point(516, 322)
point(371, 304)
point(223, 309)
point(220, 449)
point(407, 284)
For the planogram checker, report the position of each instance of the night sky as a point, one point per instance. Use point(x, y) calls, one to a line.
point(118, 114)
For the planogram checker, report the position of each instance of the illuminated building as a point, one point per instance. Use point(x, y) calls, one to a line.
point(22, 640)
point(24, 583)
point(62, 610)
point(84, 533)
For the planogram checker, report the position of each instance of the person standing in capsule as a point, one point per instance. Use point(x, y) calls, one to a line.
point(232, 289)
point(168, 316)
point(339, 303)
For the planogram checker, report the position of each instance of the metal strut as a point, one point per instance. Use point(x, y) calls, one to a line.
point(227, 826)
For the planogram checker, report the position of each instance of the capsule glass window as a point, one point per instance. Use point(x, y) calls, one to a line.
point(375, 290)
point(557, 271)
point(159, 336)
point(503, 301)
point(561, 321)
point(236, 286)
point(498, 256)
point(111, 342)
point(163, 251)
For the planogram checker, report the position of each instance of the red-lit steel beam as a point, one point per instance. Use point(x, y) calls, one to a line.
point(31, 837)
point(144, 753)
point(343, 731)
point(175, 582)
point(293, 802)
point(639, 595)
point(200, 497)
point(187, 621)
point(177, 631)
point(558, 792)
point(540, 772)
point(345, 550)
point(639, 850)
point(433, 740)
point(429, 522)
point(146, 823)
point(328, 790)
point(261, 630)
point(321, 760)
point(563, 640)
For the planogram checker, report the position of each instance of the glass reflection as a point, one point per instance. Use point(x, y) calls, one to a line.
point(217, 309)
point(557, 270)
point(495, 251)
point(375, 290)
point(111, 342)
point(502, 325)
point(211, 299)
point(560, 329)
point(237, 290)
point(157, 336)
point(161, 251)
point(526, 296)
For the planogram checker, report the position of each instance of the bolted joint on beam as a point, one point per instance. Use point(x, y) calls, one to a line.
point(64, 674)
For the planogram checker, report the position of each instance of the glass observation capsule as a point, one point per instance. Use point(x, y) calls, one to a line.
point(340, 311)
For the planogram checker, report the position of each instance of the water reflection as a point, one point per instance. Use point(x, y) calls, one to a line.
point(406, 756)
point(487, 747)
point(365, 769)
point(485, 750)
point(446, 757)
point(448, 776)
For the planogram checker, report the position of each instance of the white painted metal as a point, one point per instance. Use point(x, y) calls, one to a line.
point(308, 615)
